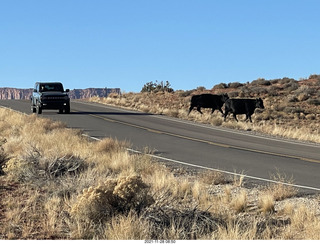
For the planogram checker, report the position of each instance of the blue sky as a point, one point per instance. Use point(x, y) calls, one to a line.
point(127, 43)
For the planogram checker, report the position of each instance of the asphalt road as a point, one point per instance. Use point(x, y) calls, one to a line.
point(188, 143)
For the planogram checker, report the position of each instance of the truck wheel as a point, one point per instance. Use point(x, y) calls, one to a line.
point(67, 109)
point(38, 109)
point(33, 109)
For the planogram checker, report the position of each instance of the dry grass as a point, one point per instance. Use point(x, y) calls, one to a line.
point(128, 227)
point(239, 202)
point(266, 203)
point(283, 188)
point(57, 184)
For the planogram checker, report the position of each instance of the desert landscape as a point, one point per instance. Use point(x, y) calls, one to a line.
point(58, 184)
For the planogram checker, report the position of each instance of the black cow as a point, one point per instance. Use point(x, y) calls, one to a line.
point(208, 101)
point(242, 106)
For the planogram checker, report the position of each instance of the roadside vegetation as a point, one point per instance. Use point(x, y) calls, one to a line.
point(291, 106)
point(56, 183)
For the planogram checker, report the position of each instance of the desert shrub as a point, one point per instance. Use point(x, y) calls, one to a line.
point(157, 87)
point(95, 203)
point(261, 82)
point(239, 202)
point(310, 117)
point(303, 97)
point(314, 76)
point(201, 88)
point(182, 223)
point(25, 167)
point(314, 102)
point(112, 197)
point(293, 110)
point(274, 81)
point(291, 85)
point(245, 91)
point(43, 125)
point(292, 99)
point(109, 145)
point(265, 115)
point(259, 90)
point(233, 94)
point(282, 187)
point(306, 90)
point(33, 167)
point(266, 203)
point(220, 86)
point(216, 121)
point(67, 164)
point(114, 95)
point(213, 178)
point(186, 93)
point(286, 80)
point(235, 85)
point(171, 112)
point(128, 227)
point(18, 169)
point(273, 90)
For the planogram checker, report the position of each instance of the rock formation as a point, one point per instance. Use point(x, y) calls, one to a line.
point(15, 93)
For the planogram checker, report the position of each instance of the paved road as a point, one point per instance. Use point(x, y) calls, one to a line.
point(195, 144)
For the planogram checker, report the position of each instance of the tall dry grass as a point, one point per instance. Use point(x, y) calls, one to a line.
point(57, 184)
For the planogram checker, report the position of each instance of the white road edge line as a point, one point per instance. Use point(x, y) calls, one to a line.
point(207, 168)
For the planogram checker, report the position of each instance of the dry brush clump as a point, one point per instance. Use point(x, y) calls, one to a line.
point(110, 198)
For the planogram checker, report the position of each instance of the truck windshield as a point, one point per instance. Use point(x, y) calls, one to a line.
point(51, 87)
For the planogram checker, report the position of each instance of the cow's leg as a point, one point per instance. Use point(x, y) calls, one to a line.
point(212, 110)
point(225, 114)
point(248, 116)
point(235, 117)
point(199, 109)
point(190, 109)
point(221, 111)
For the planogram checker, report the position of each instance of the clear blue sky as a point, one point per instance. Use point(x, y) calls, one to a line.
point(127, 43)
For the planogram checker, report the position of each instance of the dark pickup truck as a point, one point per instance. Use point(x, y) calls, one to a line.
point(50, 95)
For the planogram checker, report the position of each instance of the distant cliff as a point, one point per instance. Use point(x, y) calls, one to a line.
point(15, 93)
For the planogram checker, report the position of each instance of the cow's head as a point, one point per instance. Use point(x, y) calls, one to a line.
point(224, 97)
point(259, 103)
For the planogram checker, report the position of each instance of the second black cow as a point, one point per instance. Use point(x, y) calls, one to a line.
point(242, 106)
point(208, 101)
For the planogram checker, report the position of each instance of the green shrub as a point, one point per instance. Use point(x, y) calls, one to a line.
point(157, 86)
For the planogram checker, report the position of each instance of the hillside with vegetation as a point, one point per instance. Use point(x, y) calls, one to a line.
point(56, 183)
point(292, 108)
